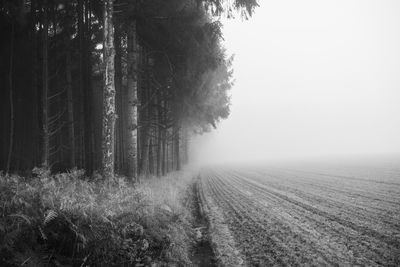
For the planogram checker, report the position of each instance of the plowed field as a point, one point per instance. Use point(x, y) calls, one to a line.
point(289, 217)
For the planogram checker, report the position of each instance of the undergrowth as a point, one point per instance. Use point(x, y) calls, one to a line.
point(66, 220)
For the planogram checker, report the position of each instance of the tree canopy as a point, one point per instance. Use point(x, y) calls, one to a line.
point(168, 78)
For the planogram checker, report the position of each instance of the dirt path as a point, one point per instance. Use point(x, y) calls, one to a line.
point(202, 254)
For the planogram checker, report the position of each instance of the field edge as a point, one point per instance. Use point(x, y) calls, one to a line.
point(221, 239)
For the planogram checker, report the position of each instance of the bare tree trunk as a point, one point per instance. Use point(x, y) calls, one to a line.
point(177, 148)
point(109, 93)
point(172, 151)
point(10, 81)
point(145, 116)
point(89, 154)
point(164, 152)
point(70, 106)
point(145, 156)
point(119, 140)
point(167, 155)
point(158, 153)
point(45, 89)
point(82, 93)
point(35, 110)
point(159, 136)
point(151, 156)
point(132, 127)
point(186, 147)
point(164, 161)
point(91, 138)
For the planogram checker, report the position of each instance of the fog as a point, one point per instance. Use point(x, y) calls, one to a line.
point(313, 79)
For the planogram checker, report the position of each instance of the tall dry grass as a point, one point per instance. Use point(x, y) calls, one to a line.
point(169, 192)
point(66, 219)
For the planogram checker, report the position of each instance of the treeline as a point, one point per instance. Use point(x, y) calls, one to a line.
point(115, 86)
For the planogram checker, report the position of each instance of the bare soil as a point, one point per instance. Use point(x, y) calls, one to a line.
point(281, 217)
point(202, 254)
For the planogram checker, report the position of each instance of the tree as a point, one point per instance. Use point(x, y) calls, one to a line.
point(10, 83)
point(109, 114)
point(45, 89)
point(72, 109)
point(132, 80)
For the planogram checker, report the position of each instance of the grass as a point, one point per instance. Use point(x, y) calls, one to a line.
point(67, 220)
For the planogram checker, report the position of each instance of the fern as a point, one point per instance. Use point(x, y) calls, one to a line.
point(51, 215)
point(61, 220)
point(10, 239)
point(42, 234)
point(23, 217)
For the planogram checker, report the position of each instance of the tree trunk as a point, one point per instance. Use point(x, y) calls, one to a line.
point(35, 107)
point(145, 155)
point(81, 84)
point(45, 89)
point(172, 151)
point(132, 80)
point(10, 81)
point(145, 115)
point(119, 137)
point(164, 137)
point(158, 153)
point(186, 147)
point(70, 107)
point(89, 154)
point(167, 155)
point(164, 152)
point(89, 82)
point(159, 136)
point(151, 156)
point(108, 93)
point(177, 149)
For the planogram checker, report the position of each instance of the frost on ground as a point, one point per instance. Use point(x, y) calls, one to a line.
point(290, 217)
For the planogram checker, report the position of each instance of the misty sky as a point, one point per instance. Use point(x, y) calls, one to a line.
point(313, 78)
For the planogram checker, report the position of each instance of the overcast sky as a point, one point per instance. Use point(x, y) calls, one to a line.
point(313, 78)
